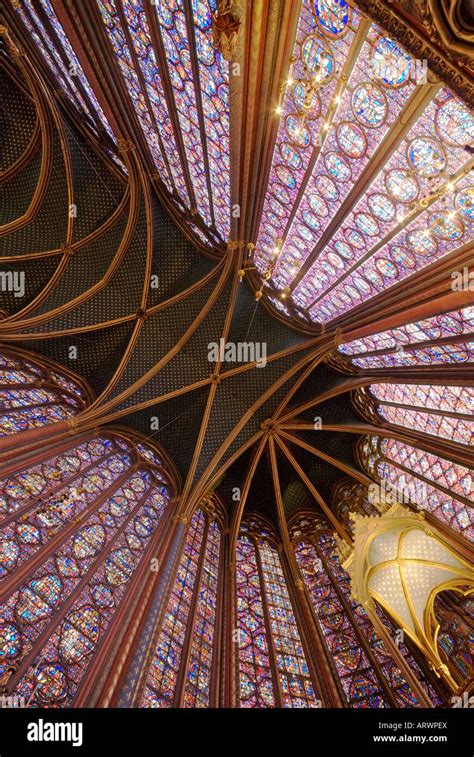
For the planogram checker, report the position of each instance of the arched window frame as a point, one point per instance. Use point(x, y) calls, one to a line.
point(454, 612)
point(47, 34)
point(258, 531)
point(369, 453)
point(23, 676)
point(370, 406)
point(214, 517)
point(47, 376)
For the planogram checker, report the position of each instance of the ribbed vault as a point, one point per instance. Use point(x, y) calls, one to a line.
point(116, 291)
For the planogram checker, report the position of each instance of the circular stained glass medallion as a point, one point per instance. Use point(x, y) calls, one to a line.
point(202, 14)
point(403, 257)
point(335, 260)
point(79, 633)
point(426, 156)
point(305, 232)
point(332, 15)
point(306, 99)
point(351, 139)
point(421, 243)
point(317, 57)
point(366, 224)
point(119, 566)
point(361, 284)
point(290, 155)
point(311, 220)
point(381, 207)
point(454, 123)
point(344, 250)
point(387, 268)
point(204, 48)
point(276, 207)
point(297, 132)
point(369, 104)
point(318, 205)
point(327, 188)
point(52, 683)
point(354, 238)
point(8, 554)
point(165, 13)
point(464, 202)
point(280, 192)
point(337, 166)
point(401, 185)
point(390, 64)
point(450, 324)
point(10, 641)
point(446, 226)
point(285, 176)
point(373, 276)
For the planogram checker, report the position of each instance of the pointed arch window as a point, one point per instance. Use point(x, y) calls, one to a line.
point(272, 664)
point(441, 340)
point(441, 411)
point(75, 528)
point(34, 395)
point(49, 37)
point(430, 482)
point(182, 668)
point(367, 673)
point(170, 66)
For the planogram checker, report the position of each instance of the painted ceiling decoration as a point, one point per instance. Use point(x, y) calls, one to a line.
point(128, 431)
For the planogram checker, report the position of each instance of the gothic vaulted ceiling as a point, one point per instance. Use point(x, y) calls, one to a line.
point(188, 176)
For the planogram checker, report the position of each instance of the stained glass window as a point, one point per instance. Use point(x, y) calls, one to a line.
point(454, 612)
point(121, 45)
point(347, 92)
point(32, 395)
point(190, 618)
point(442, 411)
point(428, 481)
point(169, 64)
point(348, 497)
point(273, 669)
point(367, 673)
point(450, 335)
point(52, 42)
point(102, 503)
point(168, 67)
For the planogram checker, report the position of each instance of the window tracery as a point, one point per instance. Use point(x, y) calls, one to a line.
point(174, 677)
point(34, 394)
point(432, 483)
point(272, 665)
point(101, 504)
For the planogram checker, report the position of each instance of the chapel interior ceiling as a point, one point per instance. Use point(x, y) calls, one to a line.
point(366, 191)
